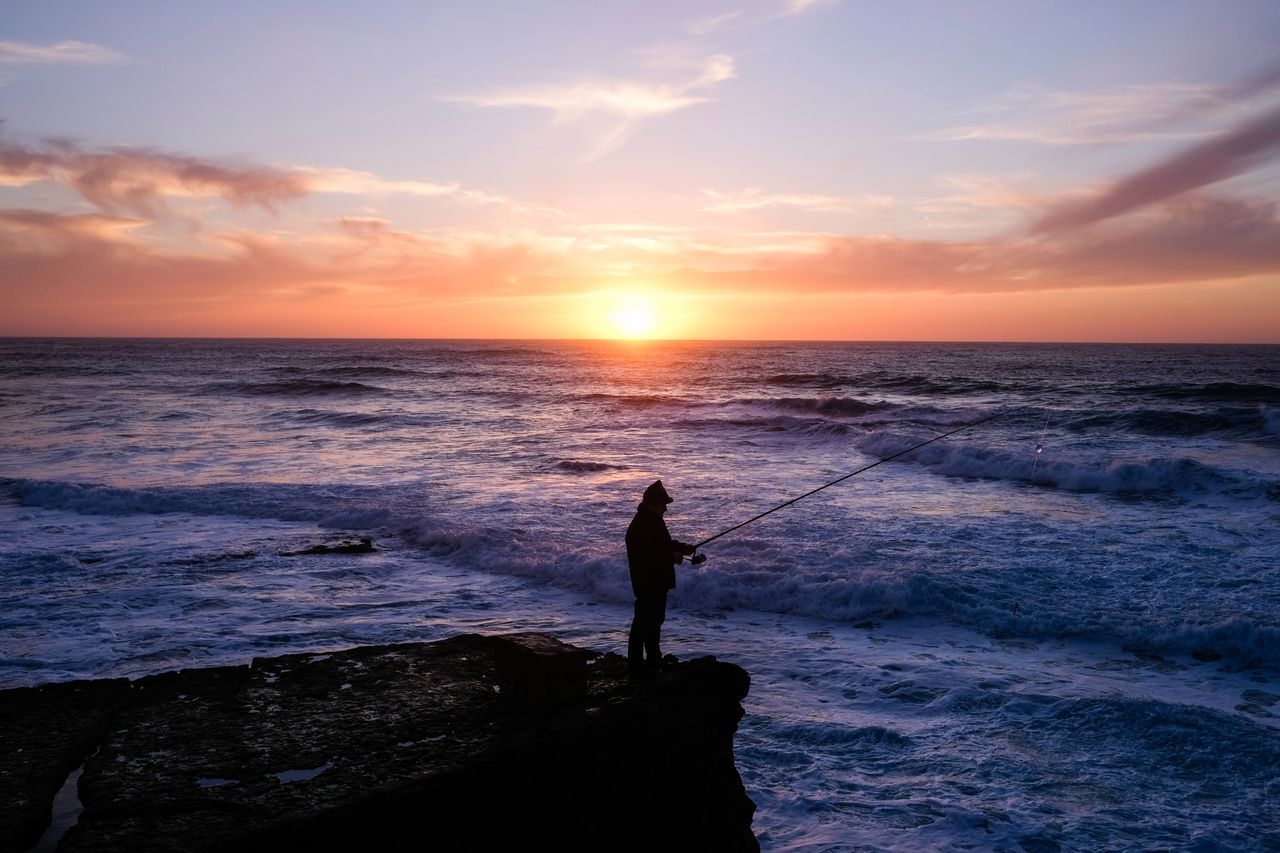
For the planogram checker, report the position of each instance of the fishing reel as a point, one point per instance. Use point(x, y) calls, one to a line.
point(697, 559)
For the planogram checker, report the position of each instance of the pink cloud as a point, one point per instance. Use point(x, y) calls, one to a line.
point(1230, 154)
point(99, 274)
point(1196, 240)
point(64, 260)
point(102, 260)
point(140, 179)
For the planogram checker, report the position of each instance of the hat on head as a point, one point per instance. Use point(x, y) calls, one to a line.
point(656, 493)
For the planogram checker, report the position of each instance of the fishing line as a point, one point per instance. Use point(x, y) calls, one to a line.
point(901, 453)
point(1039, 447)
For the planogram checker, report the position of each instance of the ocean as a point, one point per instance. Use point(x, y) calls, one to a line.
point(1057, 630)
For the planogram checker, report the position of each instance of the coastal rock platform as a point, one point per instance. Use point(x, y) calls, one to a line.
point(474, 742)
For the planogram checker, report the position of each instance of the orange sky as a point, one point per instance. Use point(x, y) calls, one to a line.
point(738, 175)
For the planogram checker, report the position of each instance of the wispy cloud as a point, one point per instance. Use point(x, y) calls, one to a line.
point(1193, 241)
point(1217, 98)
point(1130, 114)
point(754, 198)
point(799, 7)
point(79, 52)
point(1136, 114)
point(703, 26)
point(969, 202)
point(1232, 153)
point(355, 182)
point(629, 101)
point(42, 232)
point(1125, 114)
point(738, 17)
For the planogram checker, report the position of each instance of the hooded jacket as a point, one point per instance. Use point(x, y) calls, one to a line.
point(650, 554)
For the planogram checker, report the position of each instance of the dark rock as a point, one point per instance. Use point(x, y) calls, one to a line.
point(470, 743)
point(363, 545)
point(45, 733)
point(542, 667)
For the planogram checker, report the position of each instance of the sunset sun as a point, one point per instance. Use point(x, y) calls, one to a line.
point(633, 317)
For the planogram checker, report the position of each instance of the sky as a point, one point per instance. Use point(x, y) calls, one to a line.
point(753, 169)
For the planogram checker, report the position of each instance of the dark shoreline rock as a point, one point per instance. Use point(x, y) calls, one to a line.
point(475, 742)
point(362, 545)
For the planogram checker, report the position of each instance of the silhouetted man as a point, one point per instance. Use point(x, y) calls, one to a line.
point(652, 556)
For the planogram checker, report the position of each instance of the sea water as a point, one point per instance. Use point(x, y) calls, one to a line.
point(977, 646)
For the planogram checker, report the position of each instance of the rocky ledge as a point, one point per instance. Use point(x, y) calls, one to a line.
point(475, 742)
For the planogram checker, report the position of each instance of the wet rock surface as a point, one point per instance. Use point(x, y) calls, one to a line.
point(468, 743)
point(362, 545)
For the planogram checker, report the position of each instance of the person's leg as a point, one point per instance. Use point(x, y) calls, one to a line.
point(657, 614)
point(636, 639)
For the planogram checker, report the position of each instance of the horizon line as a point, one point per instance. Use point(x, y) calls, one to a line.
point(632, 340)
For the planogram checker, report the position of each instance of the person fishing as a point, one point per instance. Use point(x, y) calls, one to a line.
point(652, 556)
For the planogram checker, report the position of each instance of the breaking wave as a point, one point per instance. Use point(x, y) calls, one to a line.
point(351, 507)
point(737, 578)
point(348, 420)
point(1271, 419)
point(296, 388)
point(630, 400)
point(808, 380)
point(816, 427)
point(1158, 476)
point(921, 384)
point(347, 370)
point(1215, 392)
point(835, 406)
point(1167, 423)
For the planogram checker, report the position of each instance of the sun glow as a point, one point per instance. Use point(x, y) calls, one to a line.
point(634, 317)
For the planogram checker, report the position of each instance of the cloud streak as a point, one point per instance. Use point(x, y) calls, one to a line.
point(627, 99)
point(754, 198)
point(355, 182)
point(630, 102)
point(703, 26)
point(73, 52)
point(799, 7)
point(1232, 153)
point(1197, 241)
point(1130, 114)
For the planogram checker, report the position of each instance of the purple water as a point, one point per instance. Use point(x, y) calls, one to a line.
point(976, 646)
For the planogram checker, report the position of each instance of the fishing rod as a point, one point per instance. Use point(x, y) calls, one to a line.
point(699, 558)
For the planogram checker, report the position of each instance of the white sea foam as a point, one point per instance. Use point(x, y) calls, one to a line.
point(1153, 476)
point(1271, 419)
